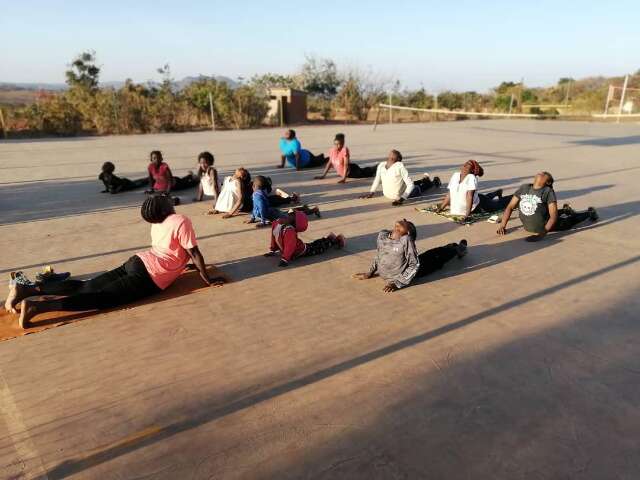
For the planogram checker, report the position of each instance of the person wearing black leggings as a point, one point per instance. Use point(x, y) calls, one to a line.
point(114, 184)
point(398, 262)
point(492, 202)
point(339, 158)
point(538, 209)
point(434, 259)
point(143, 275)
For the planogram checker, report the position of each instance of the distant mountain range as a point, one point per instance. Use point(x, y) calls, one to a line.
point(180, 84)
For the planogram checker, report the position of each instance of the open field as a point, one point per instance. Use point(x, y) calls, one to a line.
point(17, 97)
point(520, 361)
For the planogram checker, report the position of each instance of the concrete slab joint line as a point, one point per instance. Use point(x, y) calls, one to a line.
point(24, 447)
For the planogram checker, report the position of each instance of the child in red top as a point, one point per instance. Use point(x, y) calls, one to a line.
point(284, 239)
point(161, 180)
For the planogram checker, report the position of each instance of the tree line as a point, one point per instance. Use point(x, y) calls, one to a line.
point(86, 107)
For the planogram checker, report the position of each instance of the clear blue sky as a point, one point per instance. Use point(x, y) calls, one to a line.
point(456, 44)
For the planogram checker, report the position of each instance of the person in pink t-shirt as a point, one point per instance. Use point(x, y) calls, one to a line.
point(173, 245)
point(340, 161)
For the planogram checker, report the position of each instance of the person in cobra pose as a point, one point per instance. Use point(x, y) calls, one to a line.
point(340, 160)
point(538, 209)
point(292, 153)
point(173, 245)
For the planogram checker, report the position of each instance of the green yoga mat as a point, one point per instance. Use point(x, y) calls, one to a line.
point(475, 217)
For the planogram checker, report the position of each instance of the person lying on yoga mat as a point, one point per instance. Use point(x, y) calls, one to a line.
point(114, 184)
point(285, 241)
point(396, 183)
point(295, 156)
point(208, 178)
point(463, 197)
point(161, 180)
point(539, 212)
point(264, 211)
point(173, 244)
point(397, 260)
point(340, 161)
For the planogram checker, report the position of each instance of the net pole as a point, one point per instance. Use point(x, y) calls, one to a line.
point(375, 124)
point(213, 121)
point(609, 95)
point(624, 90)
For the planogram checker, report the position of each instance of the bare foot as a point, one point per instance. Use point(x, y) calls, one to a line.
point(17, 293)
point(28, 310)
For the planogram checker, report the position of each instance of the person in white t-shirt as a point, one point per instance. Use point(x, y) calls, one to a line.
point(463, 197)
point(396, 183)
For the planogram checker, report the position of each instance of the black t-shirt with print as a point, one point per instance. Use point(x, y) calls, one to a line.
point(534, 206)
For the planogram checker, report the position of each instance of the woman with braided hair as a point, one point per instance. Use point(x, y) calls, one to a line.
point(463, 197)
point(173, 244)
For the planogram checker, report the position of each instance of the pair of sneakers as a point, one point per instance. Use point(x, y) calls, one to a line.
point(593, 214)
point(337, 241)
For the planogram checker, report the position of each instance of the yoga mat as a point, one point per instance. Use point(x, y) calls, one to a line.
point(185, 284)
point(475, 217)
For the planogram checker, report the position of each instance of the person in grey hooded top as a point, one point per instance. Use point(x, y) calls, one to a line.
point(397, 260)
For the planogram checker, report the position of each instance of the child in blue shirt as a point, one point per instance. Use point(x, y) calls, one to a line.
point(263, 212)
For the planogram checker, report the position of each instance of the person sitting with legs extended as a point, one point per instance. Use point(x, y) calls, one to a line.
point(208, 175)
point(539, 212)
point(161, 180)
point(285, 240)
point(396, 183)
point(397, 260)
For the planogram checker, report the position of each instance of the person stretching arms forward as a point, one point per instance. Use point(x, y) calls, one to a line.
point(539, 212)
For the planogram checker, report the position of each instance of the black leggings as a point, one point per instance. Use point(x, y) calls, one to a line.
point(274, 201)
point(421, 186)
point(316, 161)
point(182, 183)
point(125, 284)
point(118, 184)
point(567, 219)
point(434, 259)
point(277, 200)
point(319, 246)
point(355, 171)
point(490, 202)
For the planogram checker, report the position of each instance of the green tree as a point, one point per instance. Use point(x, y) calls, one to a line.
point(83, 72)
point(319, 76)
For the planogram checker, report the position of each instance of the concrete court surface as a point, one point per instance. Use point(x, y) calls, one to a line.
point(521, 361)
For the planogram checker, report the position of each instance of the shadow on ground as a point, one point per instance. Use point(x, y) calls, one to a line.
point(574, 386)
